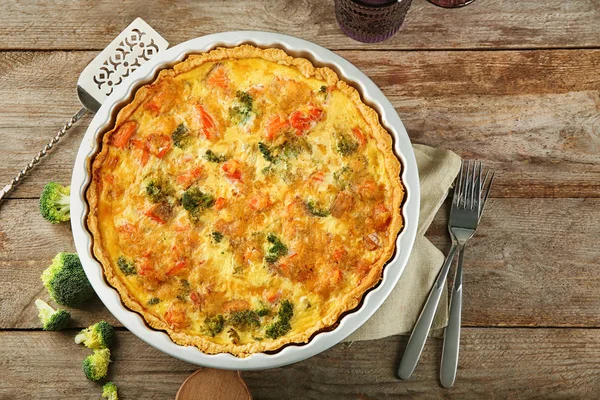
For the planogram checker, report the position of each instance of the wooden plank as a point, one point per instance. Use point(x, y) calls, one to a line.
point(533, 262)
point(534, 116)
point(494, 364)
point(485, 24)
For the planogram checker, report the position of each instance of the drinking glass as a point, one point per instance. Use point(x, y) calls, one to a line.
point(451, 3)
point(371, 21)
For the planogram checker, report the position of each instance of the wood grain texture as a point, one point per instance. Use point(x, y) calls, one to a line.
point(485, 24)
point(534, 116)
point(214, 384)
point(495, 364)
point(533, 262)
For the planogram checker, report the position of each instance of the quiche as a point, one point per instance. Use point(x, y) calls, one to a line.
point(244, 200)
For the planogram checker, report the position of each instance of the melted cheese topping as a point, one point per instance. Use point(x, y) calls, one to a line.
point(241, 201)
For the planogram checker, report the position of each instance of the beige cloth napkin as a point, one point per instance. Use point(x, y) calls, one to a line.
point(398, 314)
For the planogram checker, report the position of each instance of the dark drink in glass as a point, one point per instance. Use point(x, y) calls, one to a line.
point(371, 21)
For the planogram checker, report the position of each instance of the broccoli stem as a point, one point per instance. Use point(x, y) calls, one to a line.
point(45, 311)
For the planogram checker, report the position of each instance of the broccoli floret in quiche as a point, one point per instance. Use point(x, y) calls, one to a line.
point(158, 190)
point(315, 209)
point(181, 136)
point(344, 144)
point(217, 236)
point(128, 268)
point(266, 152)
point(241, 112)
point(276, 250)
point(195, 201)
point(214, 157)
point(214, 325)
point(245, 319)
point(281, 325)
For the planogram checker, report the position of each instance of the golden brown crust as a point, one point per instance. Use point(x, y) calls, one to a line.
point(351, 299)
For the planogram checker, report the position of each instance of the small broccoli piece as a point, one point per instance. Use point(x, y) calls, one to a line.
point(153, 301)
point(96, 337)
point(109, 391)
point(158, 190)
point(66, 281)
point(55, 204)
point(342, 177)
point(315, 209)
point(241, 112)
point(217, 236)
point(214, 157)
point(345, 145)
point(282, 325)
point(125, 266)
point(277, 249)
point(181, 136)
point(233, 335)
point(195, 201)
point(263, 310)
point(52, 320)
point(214, 325)
point(95, 366)
point(185, 290)
point(266, 152)
point(154, 192)
point(245, 319)
point(323, 89)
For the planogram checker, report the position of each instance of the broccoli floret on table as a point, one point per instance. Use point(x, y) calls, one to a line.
point(109, 391)
point(95, 366)
point(52, 320)
point(66, 281)
point(96, 337)
point(55, 203)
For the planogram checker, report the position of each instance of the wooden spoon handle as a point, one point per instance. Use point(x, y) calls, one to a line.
point(214, 384)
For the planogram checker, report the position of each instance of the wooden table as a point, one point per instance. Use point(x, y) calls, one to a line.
point(513, 83)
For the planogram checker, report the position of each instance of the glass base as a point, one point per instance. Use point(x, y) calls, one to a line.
point(451, 3)
point(370, 23)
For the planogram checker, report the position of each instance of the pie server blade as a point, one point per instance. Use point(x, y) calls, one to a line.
point(134, 46)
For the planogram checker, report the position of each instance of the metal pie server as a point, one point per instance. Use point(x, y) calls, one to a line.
point(128, 51)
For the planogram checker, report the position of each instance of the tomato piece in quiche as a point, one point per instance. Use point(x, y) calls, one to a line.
point(245, 200)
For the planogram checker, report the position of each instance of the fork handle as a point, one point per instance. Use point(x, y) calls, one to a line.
point(415, 344)
point(61, 132)
point(452, 333)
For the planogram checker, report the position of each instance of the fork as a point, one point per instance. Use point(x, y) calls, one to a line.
point(464, 218)
point(473, 189)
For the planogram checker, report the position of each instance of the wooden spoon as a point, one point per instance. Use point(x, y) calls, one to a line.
point(214, 384)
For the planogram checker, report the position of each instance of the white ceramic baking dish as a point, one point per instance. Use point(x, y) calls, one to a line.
point(145, 74)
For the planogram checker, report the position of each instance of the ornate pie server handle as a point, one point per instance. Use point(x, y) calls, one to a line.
point(61, 132)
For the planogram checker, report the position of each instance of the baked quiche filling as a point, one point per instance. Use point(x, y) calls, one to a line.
point(245, 200)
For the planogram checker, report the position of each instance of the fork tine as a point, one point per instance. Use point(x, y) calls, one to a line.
point(458, 185)
point(471, 186)
point(488, 187)
point(477, 196)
